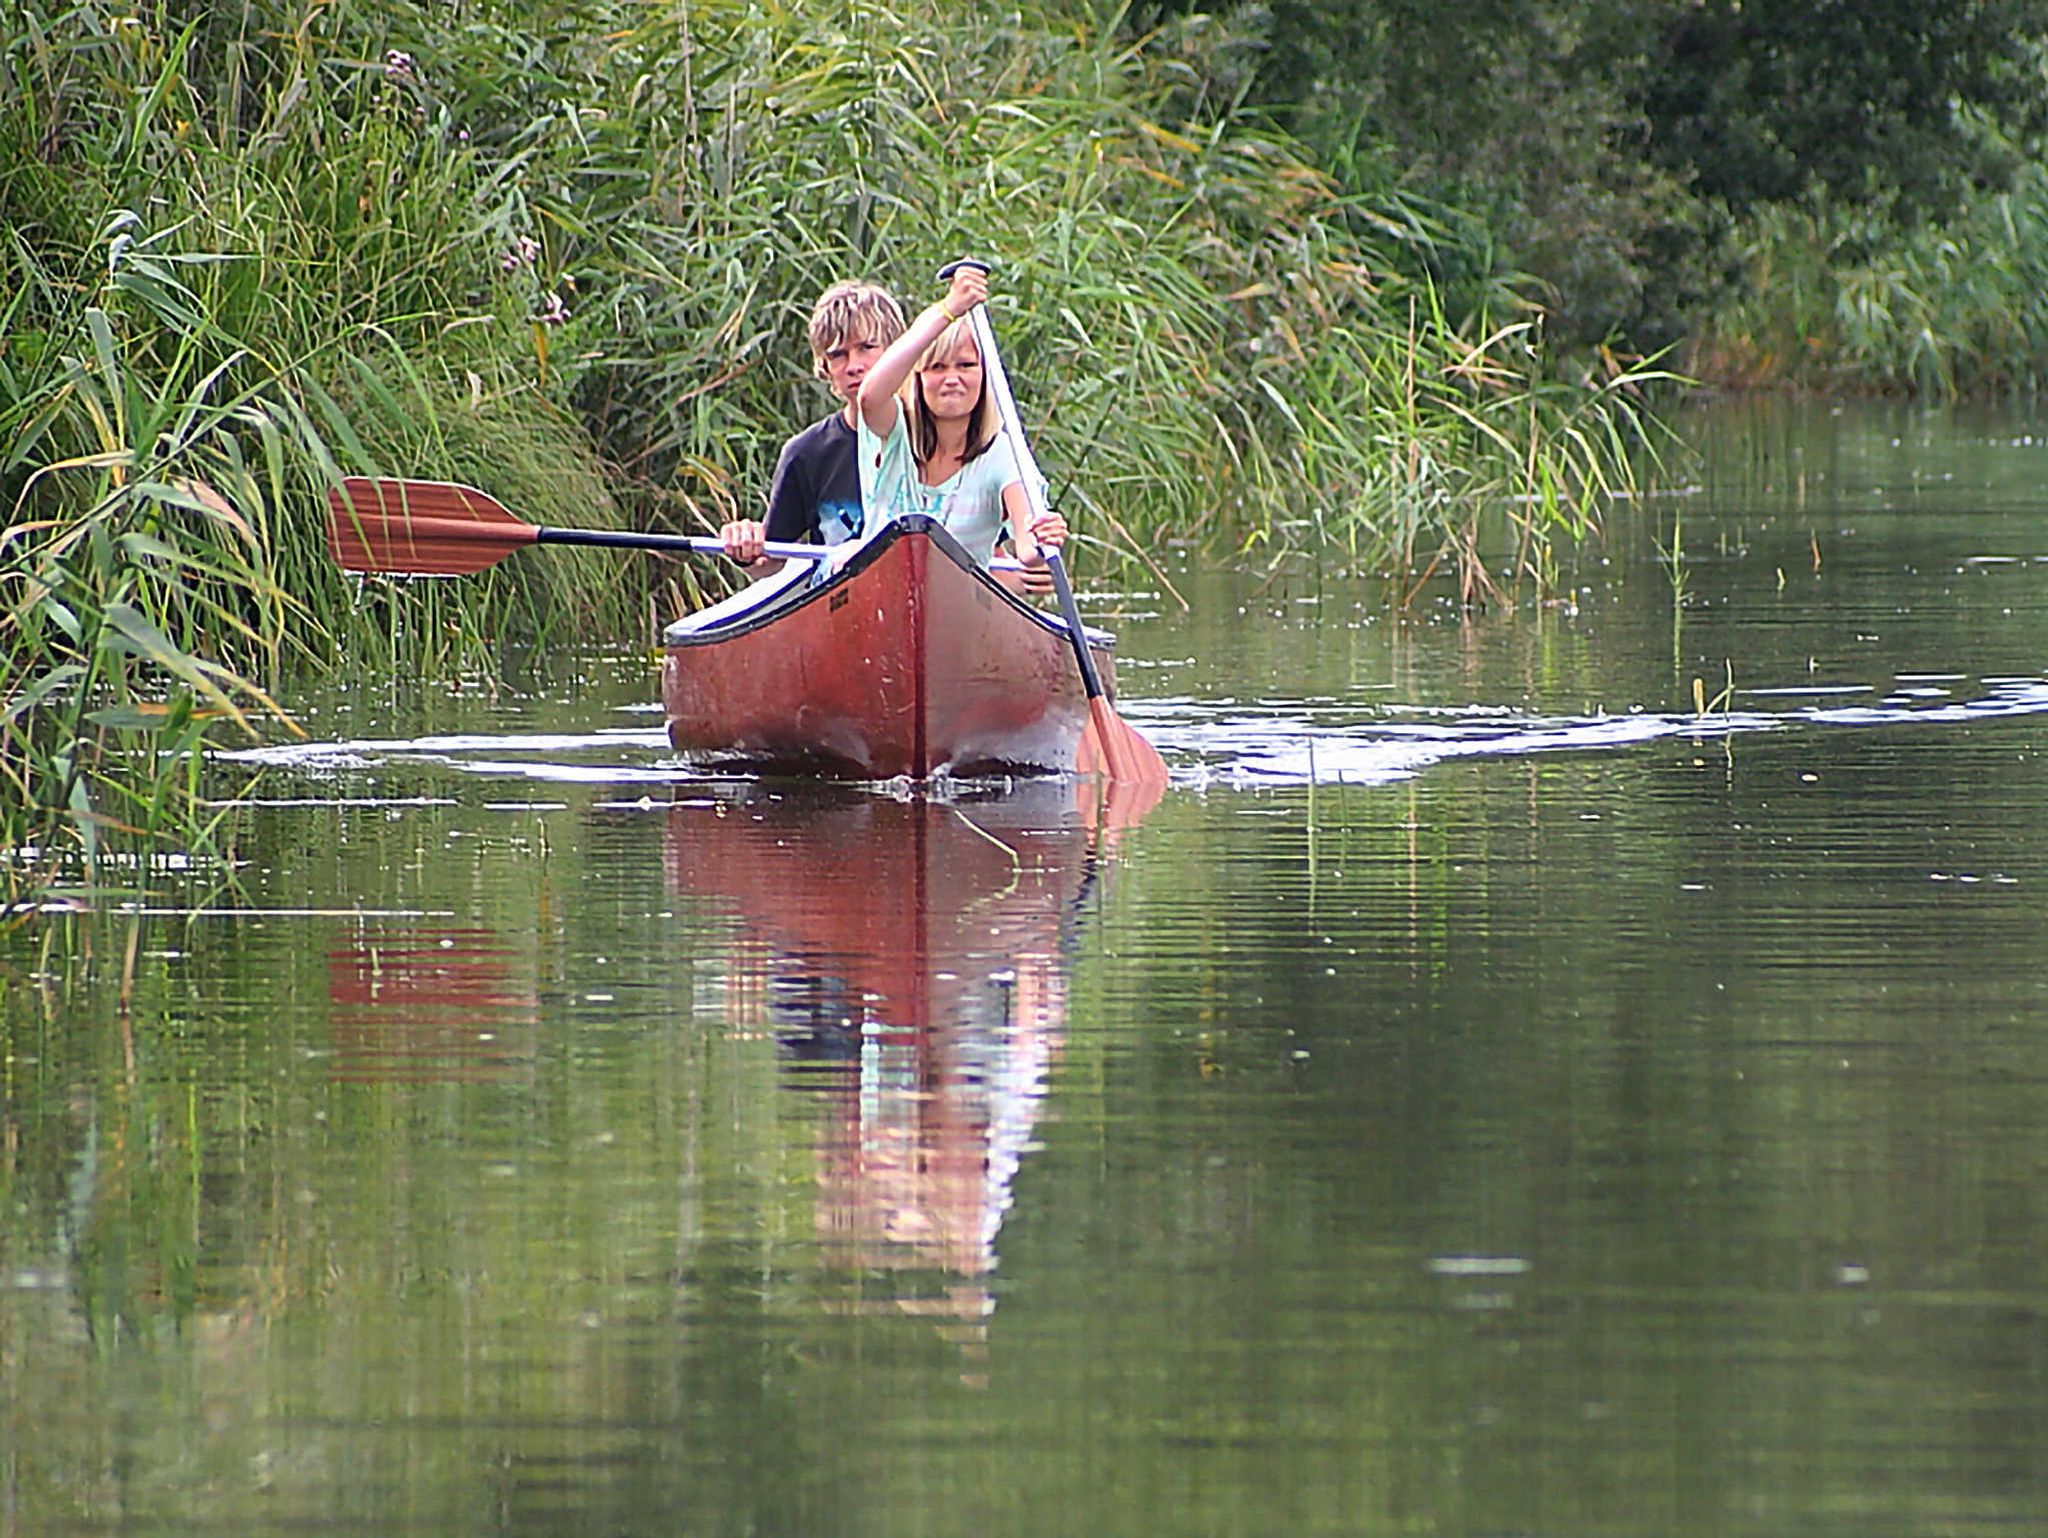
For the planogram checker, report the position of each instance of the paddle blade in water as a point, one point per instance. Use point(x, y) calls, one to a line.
point(1113, 748)
point(420, 528)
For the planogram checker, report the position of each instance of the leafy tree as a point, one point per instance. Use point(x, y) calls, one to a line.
point(1869, 101)
point(1607, 144)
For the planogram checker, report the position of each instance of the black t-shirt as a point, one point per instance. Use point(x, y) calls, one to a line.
point(815, 496)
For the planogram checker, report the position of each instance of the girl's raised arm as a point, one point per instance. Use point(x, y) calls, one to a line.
point(886, 376)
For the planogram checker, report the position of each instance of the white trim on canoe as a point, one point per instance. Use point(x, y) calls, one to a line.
point(795, 576)
point(754, 595)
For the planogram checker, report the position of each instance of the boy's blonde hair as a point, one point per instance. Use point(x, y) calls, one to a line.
point(853, 311)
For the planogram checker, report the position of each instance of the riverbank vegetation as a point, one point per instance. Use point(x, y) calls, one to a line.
point(1943, 308)
point(1833, 196)
point(1369, 280)
point(564, 251)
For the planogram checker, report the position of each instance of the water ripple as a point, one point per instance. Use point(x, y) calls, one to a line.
point(1296, 743)
point(613, 756)
point(1254, 742)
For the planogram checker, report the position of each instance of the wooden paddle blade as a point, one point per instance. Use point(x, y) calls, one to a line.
point(420, 528)
point(1113, 748)
point(1110, 807)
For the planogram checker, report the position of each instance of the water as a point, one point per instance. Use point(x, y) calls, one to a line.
point(1484, 1095)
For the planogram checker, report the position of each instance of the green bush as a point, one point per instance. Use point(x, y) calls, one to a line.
point(1841, 298)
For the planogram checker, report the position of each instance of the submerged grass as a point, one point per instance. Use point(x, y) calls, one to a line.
point(563, 250)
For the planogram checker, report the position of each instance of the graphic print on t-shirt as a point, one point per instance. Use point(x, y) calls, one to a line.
point(816, 492)
point(838, 521)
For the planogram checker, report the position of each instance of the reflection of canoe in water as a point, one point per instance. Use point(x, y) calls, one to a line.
point(904, 901)
point(421, 1004)
point(913, 953)
point(910, 660)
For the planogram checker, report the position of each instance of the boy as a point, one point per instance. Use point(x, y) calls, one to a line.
point(815, 496)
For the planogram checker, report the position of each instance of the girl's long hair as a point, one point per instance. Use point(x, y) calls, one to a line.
point(982, 427)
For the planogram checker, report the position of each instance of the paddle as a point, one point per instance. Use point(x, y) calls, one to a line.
point(1120, 750)
point(439, 529)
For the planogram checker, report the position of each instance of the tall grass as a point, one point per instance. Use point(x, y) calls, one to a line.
point(1209, 338)
point(1840, 297)
point(207, 319)
point(564, 249)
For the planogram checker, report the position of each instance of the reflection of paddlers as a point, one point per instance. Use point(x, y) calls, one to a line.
point(913, 955)
point(907, 903)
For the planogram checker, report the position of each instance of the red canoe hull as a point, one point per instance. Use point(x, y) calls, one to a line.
point(909, 662)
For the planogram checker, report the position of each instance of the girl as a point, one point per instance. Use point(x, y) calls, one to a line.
point(937, 448)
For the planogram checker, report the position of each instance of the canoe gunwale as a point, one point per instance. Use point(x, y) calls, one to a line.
point(790, 598)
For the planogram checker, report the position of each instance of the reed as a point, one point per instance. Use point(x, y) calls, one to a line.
point(1215, 342)
point(183, 375)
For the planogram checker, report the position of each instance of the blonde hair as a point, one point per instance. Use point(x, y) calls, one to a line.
point(982, 426)
point(852, 311)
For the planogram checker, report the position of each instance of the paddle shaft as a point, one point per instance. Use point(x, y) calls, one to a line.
point(626, 539)
point(372, 527)
point(1064, 590)
point(1126, 755)
point(1034, 490)
point(630, 539)
point(439, 529)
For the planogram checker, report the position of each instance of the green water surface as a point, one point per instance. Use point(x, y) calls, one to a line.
point(1479, 1098)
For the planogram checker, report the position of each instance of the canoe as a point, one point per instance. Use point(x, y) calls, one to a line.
point(909, 661)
